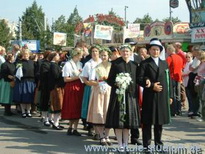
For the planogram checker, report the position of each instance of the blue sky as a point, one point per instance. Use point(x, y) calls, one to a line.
point(12, 9)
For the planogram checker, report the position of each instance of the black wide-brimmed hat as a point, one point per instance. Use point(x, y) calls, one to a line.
point(130, 41)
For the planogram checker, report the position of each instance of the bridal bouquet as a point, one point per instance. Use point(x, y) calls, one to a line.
point(122, 80)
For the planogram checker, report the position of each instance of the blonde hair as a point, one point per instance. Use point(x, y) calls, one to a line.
point(189, 54)
point(171, 48)
point(196, 48)
point(76, 52)
point(2, 50)
point(178, 45)
point(26, 51)
point(202, 56)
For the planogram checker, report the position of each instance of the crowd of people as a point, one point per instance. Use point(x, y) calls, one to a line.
point(106, 87)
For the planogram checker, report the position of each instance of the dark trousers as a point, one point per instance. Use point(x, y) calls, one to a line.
point(147, 134)
point(176, 104)
point(135, 134)
point(193, 96)
point(190, 99)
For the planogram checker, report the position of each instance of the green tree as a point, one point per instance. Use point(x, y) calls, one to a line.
point(33, 27)
point(32, 22)
point(61, 25)
point(5, 34)
point(74, 17)
point(72, 21)
point(174, 20)
point(147, 19)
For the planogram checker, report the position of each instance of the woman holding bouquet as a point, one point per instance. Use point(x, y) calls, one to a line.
point(23, 92)
point(100, 97)
point(123, 111)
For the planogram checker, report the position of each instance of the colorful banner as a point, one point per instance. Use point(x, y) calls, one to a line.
point(160, 30)
point(181, 30)
point(87, 29)
point(132, 31)
point(59, 39)
point(197, 13)
point(198, 35)
point(33, 45)
point(103, 32)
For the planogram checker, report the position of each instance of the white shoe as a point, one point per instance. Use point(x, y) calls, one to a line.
point(121, 149)
point(199, 119)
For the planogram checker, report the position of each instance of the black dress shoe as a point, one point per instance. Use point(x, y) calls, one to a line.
point(61, 126)
point(46, 123)
point(28, 115)
point(136, 141)
point(103, 142)
point(23, 115)
point(76, 133)
point(70, 132)
point(57, 127)
point(51, 122)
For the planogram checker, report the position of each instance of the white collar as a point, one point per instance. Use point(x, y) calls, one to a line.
point(156, 60)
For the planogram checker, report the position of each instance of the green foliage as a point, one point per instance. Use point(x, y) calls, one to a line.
point(174, 20)
point(32, 22)
point(74, 17)
point(147, 19)
point(5, 34)
point(61, 25)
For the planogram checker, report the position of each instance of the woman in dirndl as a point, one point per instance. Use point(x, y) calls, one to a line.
point(85, 75)
point(43, 89)
point(23, 92)
point(73, 91)
point(56, 87)
point(7, 83)
point(100, 97)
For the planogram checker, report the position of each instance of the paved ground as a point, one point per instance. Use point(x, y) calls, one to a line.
point(23, 136)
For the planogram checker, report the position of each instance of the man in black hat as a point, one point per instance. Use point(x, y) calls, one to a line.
point(135, 134)
point(153, 76)
point(115, 53)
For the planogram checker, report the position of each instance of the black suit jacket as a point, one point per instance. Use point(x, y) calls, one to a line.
point(156, 105)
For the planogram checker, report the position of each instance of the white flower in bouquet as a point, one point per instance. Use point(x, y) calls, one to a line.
point(122, 80)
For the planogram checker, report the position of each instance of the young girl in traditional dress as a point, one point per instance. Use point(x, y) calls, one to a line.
point(7, 83)
point(100, 97)
point(56, 87)
point(85, 75)
point(25, 84)
point(73, 91)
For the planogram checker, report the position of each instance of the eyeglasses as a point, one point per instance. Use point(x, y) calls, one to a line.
point(188, 57)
